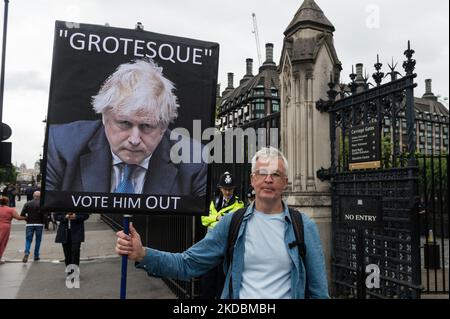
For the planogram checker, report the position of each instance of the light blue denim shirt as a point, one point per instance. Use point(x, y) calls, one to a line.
point(209, 252)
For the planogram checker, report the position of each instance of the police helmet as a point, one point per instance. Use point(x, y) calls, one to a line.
point(226, 181)
point(251, 192)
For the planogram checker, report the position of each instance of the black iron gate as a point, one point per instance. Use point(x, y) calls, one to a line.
point(391, 252)
point(434, 222)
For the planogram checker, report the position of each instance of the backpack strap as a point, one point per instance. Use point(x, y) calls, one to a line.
point(297, 224)
point(233, 231)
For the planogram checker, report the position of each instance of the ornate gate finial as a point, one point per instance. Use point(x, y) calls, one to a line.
point(393, 73)
point(352, 85)
point(378, 76)
point(410, 64)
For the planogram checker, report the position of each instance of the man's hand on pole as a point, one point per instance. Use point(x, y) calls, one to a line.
point(130, 245)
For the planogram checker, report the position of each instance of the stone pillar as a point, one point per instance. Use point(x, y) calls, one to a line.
point(308, 58)
point(308, 144)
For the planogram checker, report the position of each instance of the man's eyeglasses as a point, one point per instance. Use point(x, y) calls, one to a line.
point(262, 174)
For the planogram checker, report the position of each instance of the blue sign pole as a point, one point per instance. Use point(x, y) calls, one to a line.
point(123, 279)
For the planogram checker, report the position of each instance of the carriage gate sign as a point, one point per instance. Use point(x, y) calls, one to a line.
point(364, 146)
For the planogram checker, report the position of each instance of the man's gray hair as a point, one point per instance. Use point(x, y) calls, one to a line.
point(138, 86)
point(269, 153)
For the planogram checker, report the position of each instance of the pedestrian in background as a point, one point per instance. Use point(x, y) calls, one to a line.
point(36, 219)
point(6, 215)
point(11, 193)
point(4, 192)
point(29, 192)
point(18, 192)
point(70, 234)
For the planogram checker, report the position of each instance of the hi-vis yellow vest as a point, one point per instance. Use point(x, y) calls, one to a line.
point(211, 220)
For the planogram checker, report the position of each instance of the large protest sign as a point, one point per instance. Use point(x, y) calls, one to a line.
point(117, 97)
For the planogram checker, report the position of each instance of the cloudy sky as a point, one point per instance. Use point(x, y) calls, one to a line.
point(363, 29)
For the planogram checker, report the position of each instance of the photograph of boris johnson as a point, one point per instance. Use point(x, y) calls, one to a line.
point(113, 153)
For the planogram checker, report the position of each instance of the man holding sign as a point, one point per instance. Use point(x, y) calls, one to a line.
point(265, 262)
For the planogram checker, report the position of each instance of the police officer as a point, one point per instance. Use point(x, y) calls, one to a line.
point(226, 202)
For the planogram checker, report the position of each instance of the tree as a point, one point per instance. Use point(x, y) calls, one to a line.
point(8, 174)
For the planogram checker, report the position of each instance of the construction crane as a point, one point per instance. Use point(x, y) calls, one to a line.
point(255, 32)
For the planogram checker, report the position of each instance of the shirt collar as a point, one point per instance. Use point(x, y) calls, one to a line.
point(143, 164)
point(251, 208)
point(286, 211)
